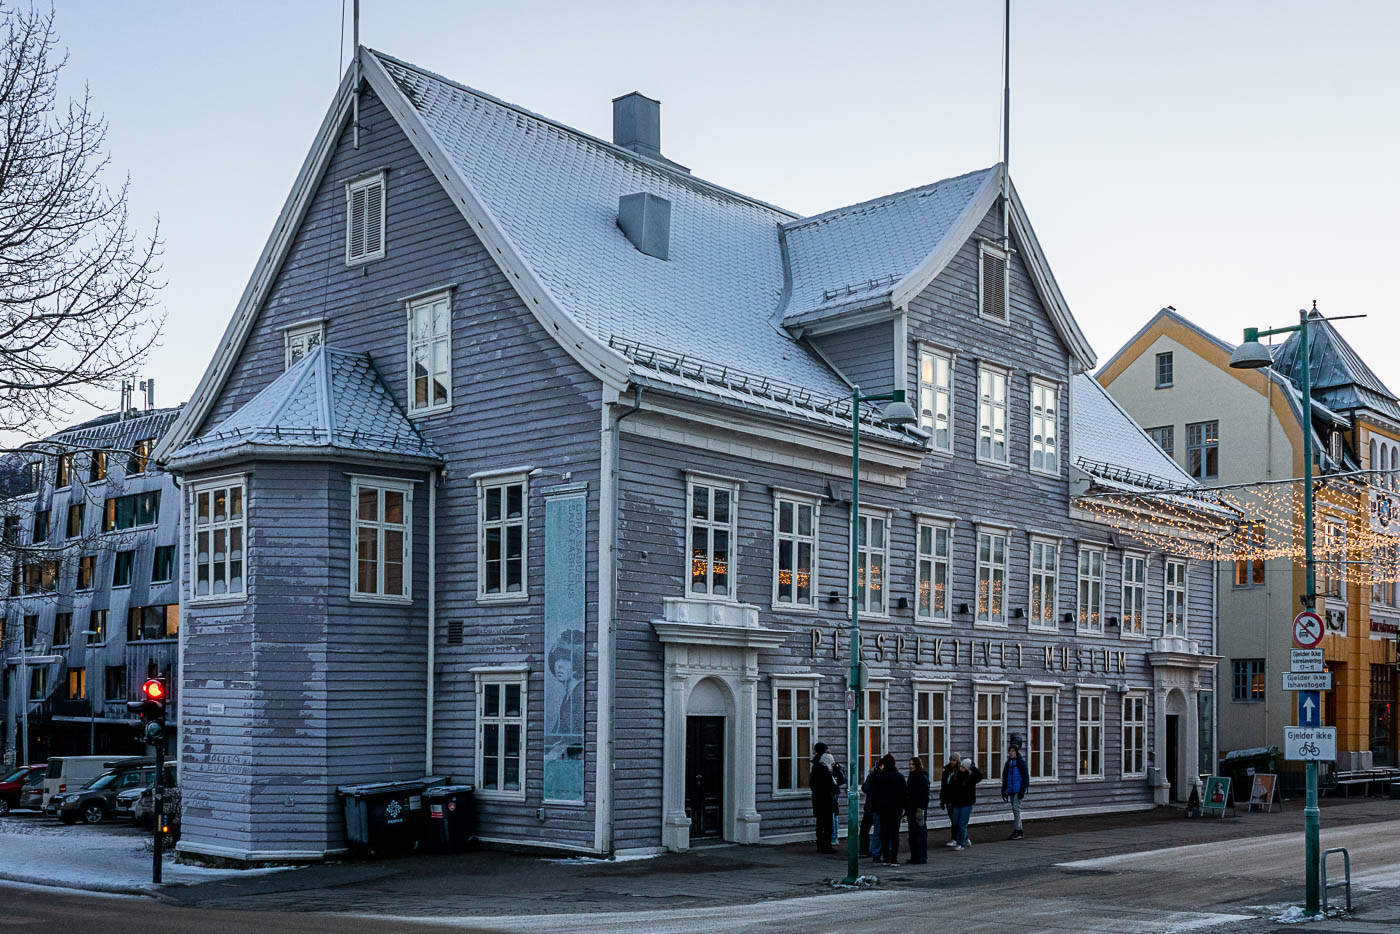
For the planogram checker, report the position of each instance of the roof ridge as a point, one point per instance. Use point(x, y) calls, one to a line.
point(613, 148)
point(872, 202)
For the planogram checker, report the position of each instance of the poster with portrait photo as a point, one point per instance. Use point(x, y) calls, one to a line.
point(564, 642)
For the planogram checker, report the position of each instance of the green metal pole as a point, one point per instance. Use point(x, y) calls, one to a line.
point(1311, 816)
point(853, 728)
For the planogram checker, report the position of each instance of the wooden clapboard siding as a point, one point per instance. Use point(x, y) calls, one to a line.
point(864, 355)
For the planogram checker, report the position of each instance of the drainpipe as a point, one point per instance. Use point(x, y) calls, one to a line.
point(432, 616)
point(607, 657)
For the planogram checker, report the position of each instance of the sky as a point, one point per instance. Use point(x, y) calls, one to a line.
point(1234, 159)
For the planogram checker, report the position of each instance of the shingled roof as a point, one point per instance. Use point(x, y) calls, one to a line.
point(1106, 443)
point(330, 402)
point(1340, 378)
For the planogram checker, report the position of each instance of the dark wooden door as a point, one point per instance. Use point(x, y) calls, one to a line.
point(704, 775)
point(1173, 750)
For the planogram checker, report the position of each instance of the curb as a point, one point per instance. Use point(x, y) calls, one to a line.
point(147, 890)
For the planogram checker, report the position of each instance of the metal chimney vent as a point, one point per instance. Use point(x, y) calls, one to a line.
point(646, 220)
point(637, 126)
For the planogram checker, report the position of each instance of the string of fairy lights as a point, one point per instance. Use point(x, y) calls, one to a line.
point(1258, 522)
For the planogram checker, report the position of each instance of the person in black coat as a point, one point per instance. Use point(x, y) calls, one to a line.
point(889, 800)
point(962, 795)
point(823, 797)
point(949, 770)
point(919, 787)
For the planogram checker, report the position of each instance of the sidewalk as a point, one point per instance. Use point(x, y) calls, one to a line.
point(495, 883)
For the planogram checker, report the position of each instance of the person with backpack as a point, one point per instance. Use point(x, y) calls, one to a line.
point(1015, 780)
point(919, 788)
point(950, 769)
point(823, 787)
point(962, 795)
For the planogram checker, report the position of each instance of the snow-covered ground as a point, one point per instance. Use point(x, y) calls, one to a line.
point(117, 859)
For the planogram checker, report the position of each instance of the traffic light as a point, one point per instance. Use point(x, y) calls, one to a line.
point(150, 711)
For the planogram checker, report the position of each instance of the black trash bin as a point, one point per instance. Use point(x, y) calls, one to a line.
point(451, 817)
point(386, 818)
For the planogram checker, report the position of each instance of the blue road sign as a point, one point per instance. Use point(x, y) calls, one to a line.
point(1309, 709)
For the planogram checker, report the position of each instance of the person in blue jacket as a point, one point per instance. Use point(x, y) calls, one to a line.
point(1015, 780)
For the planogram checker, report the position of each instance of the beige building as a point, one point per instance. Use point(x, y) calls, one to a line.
point(1227, 426)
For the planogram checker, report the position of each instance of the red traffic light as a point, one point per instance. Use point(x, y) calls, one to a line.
point(154, 689)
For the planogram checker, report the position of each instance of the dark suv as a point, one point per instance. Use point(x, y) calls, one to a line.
point(13, 784)
point(96, 801)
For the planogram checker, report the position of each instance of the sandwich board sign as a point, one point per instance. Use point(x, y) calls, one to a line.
point(1307, 630)
point(1217, 794)
point(1310, 744)
point(1261, 793)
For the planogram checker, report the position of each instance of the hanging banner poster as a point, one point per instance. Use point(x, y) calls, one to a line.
point(565, 570)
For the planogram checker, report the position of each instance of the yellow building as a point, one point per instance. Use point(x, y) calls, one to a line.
point(1230, 427)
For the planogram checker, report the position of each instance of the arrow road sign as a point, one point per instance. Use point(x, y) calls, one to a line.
point(1309, 709)
point(1307, 630)
point(1307, 680)
point(1316, 744)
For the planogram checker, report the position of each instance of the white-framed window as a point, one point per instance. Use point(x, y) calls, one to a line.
point(303, 339)
point(931, 730)
point(872, 548)
point(383, 539)
point(1134, 594)
point(502, 537)
point(217, 537)
point(1091, 562)
point(991, 577)
point(989, 728)
point(992, 445)
point(500, 734)
point(1090, 704)
point(1174, 591)
point(993, 283)
point(430, 353)
point(1134, 735)
point(1165, 374)
point(870, 730)
point(712, 529)
point(1332, 580)
point(1043, 735)
point(796, 529)
point(935, 546)
point(936, 397)
point(1045, 434)
point(364, 219)
point(1045, 576)
point(794, 732)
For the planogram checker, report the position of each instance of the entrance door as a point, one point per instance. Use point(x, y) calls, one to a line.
point(1173, 751)
point(704, 776)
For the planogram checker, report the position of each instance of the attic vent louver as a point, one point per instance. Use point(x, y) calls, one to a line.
point(646, 220)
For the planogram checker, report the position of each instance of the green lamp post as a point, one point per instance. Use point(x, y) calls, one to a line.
point(898, 412)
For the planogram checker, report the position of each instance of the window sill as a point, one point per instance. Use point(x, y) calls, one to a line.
point(1127, 776)
point(928, 621)
point(795, 608)
point(435, 410)
point(510, 796)
point(1164, 386)
point(989, 624)
point(1031, 627)
point(1045, 781)
point(362, 260)
point(503, 599)
point(999, 465)
point(380, 599)
point(121, 586)
point(1089, 778)
point(220, 600)
point(1050, 474)
point(710, 598)
point(797, 794)
point(1133, 636)
point(874, 617)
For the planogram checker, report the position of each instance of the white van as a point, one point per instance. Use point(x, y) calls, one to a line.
point(69, 773)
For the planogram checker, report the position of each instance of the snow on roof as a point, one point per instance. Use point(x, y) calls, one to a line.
point(1106, 442)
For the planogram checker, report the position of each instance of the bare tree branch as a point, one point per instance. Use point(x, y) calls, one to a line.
point(77, 284)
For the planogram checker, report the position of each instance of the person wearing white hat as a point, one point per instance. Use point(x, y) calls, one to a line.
point(962, 795)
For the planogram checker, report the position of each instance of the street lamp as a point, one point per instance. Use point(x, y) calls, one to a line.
point(898, 412)
point(92, 709)
point(1252, 355)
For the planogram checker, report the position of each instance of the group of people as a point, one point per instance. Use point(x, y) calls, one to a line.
point(892, 798)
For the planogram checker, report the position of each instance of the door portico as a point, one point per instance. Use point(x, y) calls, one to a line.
point(1178, 670)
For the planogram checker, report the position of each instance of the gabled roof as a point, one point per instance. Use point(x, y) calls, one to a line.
point(328, 403)
point(1340, 378)
point(543, 198)
point(853, 257)
point(1106, 443)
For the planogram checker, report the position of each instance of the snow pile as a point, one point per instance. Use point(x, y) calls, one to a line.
point(117, 860)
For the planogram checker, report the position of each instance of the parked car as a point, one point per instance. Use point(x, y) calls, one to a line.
point(126, 802)
point(144, 811)
point(32, 797)
point(69, 773)
point(97, 800)
point(13, 784)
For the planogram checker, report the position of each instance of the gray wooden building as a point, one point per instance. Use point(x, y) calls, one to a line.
point(540, 449)
point(91, 549)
